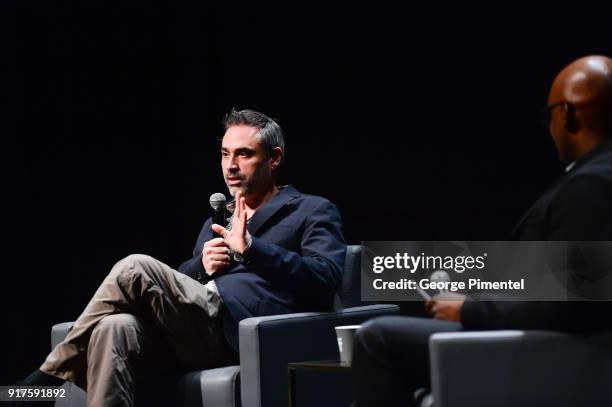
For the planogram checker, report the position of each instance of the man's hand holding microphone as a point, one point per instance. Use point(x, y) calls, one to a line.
point(216, 252)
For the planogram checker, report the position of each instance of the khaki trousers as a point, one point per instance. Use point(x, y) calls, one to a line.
point(144, 316)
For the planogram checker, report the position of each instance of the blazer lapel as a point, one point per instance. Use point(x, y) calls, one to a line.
point(265, 212)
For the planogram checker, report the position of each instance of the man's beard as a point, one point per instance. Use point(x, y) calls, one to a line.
point(248, 186)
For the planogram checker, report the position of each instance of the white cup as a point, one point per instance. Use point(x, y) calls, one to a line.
point(345, 335)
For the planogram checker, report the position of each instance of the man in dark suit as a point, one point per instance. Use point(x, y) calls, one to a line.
point(280, 251)
point(292, 248)
point(391, 357)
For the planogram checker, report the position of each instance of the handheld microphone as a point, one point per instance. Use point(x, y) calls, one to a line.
point(440, 276)
point(217, 202)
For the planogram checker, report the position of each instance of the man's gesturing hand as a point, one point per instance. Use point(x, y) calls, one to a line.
point(445, 306)
point(236, 238)
point(215, 255)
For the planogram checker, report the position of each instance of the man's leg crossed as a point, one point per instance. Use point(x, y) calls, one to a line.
point(184, 313)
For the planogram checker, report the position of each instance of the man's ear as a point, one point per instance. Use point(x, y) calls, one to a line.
point(275, 160)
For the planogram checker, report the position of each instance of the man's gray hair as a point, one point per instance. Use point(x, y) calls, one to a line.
point(270, 133)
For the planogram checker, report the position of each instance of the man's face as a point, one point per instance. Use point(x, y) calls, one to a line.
point(561, 112)
point(559, 134)
point(558, 121)
point(244, 164)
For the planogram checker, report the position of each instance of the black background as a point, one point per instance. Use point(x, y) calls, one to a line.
point(418, 124)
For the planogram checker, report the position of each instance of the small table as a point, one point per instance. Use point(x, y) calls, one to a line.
point(317, 365)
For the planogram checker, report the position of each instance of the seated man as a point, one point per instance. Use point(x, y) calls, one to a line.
point(391, 355)
point(281, 251)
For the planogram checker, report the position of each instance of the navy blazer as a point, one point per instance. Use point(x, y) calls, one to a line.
point(578, 207)
point(295, 261)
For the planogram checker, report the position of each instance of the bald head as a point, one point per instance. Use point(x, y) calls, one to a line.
point(585, 119)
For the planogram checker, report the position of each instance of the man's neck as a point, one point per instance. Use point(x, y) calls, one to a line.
point(586, 143)
point(254, 202)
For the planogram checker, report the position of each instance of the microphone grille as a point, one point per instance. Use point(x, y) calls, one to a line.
point(440, 276)
point(217, 201)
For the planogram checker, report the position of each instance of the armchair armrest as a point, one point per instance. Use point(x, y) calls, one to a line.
point(59, 332)
point(267, 344)
point(509, 368)
point(77, 397)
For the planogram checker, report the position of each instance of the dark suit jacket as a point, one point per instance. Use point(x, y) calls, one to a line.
point(295, 261)
point(578, 207)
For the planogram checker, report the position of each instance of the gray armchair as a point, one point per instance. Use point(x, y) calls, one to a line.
point(267, 344)
point(520, 368)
